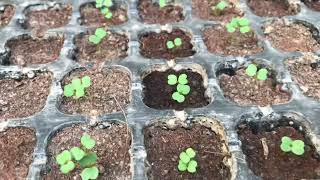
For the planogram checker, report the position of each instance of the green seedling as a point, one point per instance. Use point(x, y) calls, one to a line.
point(77, 87)
point(162, 3)
point(294, 146)
point(97, 37)
point(252, 70)
point(82, 157)
point(187, 162)
point(243, 24)
point(175, 43)
point(182, 88)
point(218, 9)
point(104, 6)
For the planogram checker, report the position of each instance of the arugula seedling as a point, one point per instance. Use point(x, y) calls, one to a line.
point(77, 87)
point(187, 162)
point(218, 9)
point(243, 24)
point(252, 70)
point(295, 146)
point(182, 87)
point(162, 3)
point(99, 34)
point(104, 6)
point(175, 43)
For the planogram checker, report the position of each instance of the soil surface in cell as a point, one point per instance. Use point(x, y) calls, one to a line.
point(92, 16)
point(113, 46)
point(152, 13)
point(163, 147)
point(290, 37)
point(110, 89)
point(269, 161)
point(6, 14)
point(203, 9)
point(219, 41)
point(269, 8)
point(24, 96)
point(53, 17)
point(245, 90)
point(312, 4)
point(157, 91)
point(24, 50)
point(16, 147)
point(154, 45)
point(305, 71)
point(113, 142)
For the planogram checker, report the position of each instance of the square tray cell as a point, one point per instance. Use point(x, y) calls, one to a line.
point(276, 8)
point(6, 14)
point(312, 4)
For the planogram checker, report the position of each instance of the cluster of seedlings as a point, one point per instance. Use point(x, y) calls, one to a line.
point(77, 87)
point(218, 9)
point(98, 36)
point(252, 70)
point(104, 6)
point(183, 88)
point(187, 161)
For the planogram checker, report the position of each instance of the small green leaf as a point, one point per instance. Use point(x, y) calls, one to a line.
point(222, 5)
point(172, 79)
point(245, 29)
point(100, 33)
point(234, 22)
point(162, 3)
point(90, 173)
point(170, 44)
point(80, 92)
point(243, 22)
point(193, 163)
point(183, 79)
point(184, 157)
point(183, 89)
point(68, 90)
point(77, 153)
point(108, 3)
point(297, 147)
point(104, 10)
point(286, 144)
point(230, 28)
point(65, 169)
point(99, 3)
point(86, 81)
point(191, 153)
point(191, 169)
point(63, 157)
point(178, 97)
point(88, 160)
point(87, 142)
point(76, 83)
point(182, 166)
point(262, 74)
point(251, 70)
point(94, 39)
point(108, 15)
point(178, 42)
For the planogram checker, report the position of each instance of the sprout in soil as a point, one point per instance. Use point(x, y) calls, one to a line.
point(162, 3)
point(104, 6)
point(175, 43)
point(243, 24)
point(82, 157)
point(252, 70)
point(97, 37)
point(77, 87)
point(182, 87)
point(295, 146)
point(218, 9)
point(187, 162)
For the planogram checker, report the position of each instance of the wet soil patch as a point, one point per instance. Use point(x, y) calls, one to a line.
point(219, 41)
point(290, 37)
point(6, 14)
point(163, 146)
point(24, 96)
point(16, 146)
point(269, 8)
point(312, 4)
point(113, 142)
point(245, 90)
point(112, 47)
point(91, 16)
point(109, 85)
point(277, 164)
point(25, 50)
point(203, 9)
point(154, 45)
point(157, 91)
point(151, 13)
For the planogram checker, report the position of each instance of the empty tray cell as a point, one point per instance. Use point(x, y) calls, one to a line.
point(292, 36)
point(112, 146)
point(152, 13)
point(6, 14)
point(92, 16)
point(312, 4)
point(154, 45)
point(23, 95)
point(112, 47)
point(110, 90)
point(165, 141)
point(16, 146)
point(207, 10)
point(219, 41)
point(261, 143)
point(276, 8)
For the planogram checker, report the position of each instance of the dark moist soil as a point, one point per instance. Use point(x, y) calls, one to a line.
point(203, 9)
point(16, 146)
point(24, 50)
point(290, 37)
point(312, 4)
point(108, 84)
point(245, 90)
point(277, 164)
point(219, 41)
point(152, 13)
point(157, 92)
point(114, 46)
point(91, 16)
point(154, 45)
point(54, 17)
point(25, 96)
point(113, 142)
point(163, 147)
point(6, 14)
point(269, 8)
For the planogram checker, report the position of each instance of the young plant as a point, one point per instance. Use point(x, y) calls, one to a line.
point(82, 157)
point(295, 146)
point(77, 87)
point(252, 70)
point(187, 162)
point(98, 35)
point(182, 87)
point(218, 9)
point(175, 43)
point(104, 6)
point(243, 24)
point(162, 3)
